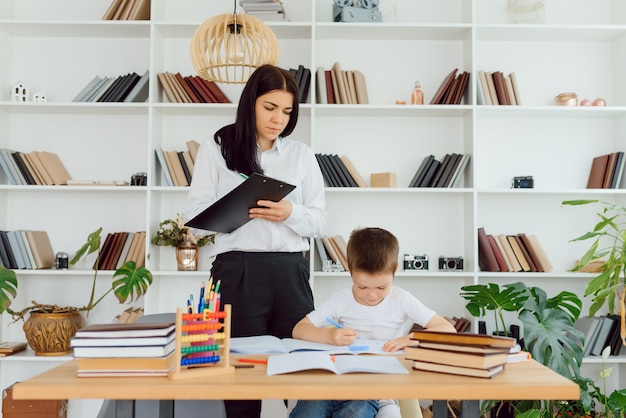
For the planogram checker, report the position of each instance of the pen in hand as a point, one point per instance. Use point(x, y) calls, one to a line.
point(335, 323)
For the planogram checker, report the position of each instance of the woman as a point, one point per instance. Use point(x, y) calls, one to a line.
point(261, 265)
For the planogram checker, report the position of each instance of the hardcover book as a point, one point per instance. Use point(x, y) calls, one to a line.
point(455, 358)
point(463, 338)
point(463, 371)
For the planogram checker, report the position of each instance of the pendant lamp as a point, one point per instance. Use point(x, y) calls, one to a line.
point(228, 48)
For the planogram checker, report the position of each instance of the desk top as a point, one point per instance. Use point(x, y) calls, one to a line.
point(527, 380)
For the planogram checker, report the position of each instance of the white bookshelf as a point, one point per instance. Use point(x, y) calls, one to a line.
point(59, 46)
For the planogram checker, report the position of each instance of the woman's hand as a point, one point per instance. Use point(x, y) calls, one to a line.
point(272, 211)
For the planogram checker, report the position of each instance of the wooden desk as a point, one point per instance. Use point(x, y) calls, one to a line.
point(527, 380)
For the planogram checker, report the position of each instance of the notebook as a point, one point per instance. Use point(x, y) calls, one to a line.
point(231, 211)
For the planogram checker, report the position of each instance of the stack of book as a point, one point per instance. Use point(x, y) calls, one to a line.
point(120, 247)
point(452, 88)
point(606, 171)
point(333, 252)
point(494, 88)
point(337, 86)
point(303, 80)
point(339, 171)
point(466, 354)
point(130, 87)
point(136, 349)
point(600, 332)
point(33, 168)
point(128, 10)
point(445, 173)
point(177, 166)
point(25, 249)
point(190, 89)
point(518, 252)
point(266, 10)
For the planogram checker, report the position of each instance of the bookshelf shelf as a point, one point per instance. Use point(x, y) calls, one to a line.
point(58, 47)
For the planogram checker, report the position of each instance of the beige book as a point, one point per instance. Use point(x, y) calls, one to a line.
point(541, 254)
point(519, 254)
point(54, 167)
point(188, 161)
point(492, 88)
point(361, 88)
point(193, 146)
point(509, 88)
point(515, 88)
point(119, 12)
point(41, 248)
point(330, 250)
point(502, 239)
point(141, 10)
point(134, 246)
point(360, 181)
point(41, 169)
point(485, 85)
point(169, 93)
point(342, 250)
point(128, 9)
point(125, 249)
point(338, 81)
point(340, 255)
point(141, 255)
point(176, 167)
point(349, 74)
point(110, 12)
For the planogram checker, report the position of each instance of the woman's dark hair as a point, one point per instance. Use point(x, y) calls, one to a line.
point(238, 141)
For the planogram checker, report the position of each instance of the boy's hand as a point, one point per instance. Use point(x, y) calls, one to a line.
point(397, 344)
point(342, 336)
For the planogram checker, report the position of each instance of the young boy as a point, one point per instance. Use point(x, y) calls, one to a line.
point(372, 309)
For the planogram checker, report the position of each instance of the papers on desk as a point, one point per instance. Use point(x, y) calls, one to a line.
point(268, 344)
point(318, 360)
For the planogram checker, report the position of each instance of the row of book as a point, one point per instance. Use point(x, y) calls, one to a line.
point(494, 88)
point(446, 172)
point(26, 249)
point(128, 10)
point(607, 171)
point(303, 80)
point(33, 168)
point(600, 332)
point(190, 89)
point(339, 171)
point(466, 354)
point(337, 86)
point(452, 88)
point(127, 88)
point(511, 253)
point(177, 166)
point(332, 251)
point(125, 349)
point(120, 247)
point(266, 10)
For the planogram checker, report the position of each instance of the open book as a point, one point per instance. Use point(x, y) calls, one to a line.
point(268, 344)
point(312, 360)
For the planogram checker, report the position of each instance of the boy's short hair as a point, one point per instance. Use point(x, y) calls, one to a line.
point(373, 250)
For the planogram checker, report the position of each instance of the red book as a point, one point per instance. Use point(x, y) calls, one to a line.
point(190, 92)
point(205, 90)
point(216, 91)
point(330, 92)
point(598, 169)
point(497, 254)
point(498, 81)
point(486, 257)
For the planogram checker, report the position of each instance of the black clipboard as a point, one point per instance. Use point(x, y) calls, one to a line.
point(231, 211)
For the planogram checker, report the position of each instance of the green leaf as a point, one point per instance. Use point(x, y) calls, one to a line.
point(8, 288)
point(91, 246)
point(131, 282)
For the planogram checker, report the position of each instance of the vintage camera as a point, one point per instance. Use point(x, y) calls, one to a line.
point(415, 262)
point(139, 179)
point(523, 182)
point(451, 263)
point(356, 11)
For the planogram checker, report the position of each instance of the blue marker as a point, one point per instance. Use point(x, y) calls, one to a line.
point(358, 347)
point(335, 323)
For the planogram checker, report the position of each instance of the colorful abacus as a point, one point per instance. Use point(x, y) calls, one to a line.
point(202, 344)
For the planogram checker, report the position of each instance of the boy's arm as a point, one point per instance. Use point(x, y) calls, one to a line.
point(436, 323)
point(305, 330)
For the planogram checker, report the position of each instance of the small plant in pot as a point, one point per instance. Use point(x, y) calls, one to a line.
point(49, 328)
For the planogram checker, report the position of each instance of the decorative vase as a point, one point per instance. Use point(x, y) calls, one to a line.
point(526, 11)
point(187, 258)
point(49, 334)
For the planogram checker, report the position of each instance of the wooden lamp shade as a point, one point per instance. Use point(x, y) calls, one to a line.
point(211, 48)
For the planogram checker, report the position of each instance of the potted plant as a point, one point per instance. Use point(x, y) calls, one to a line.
point(129, 282)
point(609, 240)
point(174, 233)
point(548, 328)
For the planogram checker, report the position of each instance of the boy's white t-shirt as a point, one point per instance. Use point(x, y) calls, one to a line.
point(384, 321)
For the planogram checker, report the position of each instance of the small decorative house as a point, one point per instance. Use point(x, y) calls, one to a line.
point(19, 93)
